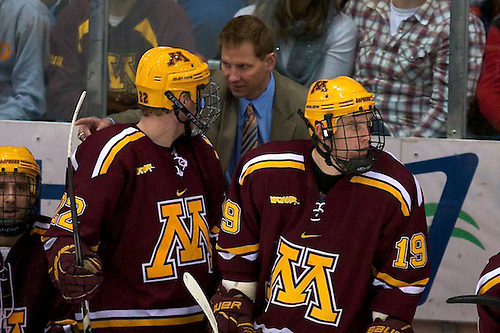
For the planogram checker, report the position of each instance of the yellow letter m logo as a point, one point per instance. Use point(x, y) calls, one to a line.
point(184, 239)
point(302, 276)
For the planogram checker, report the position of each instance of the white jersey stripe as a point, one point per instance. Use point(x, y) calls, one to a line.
point(412, 290)
point(272, 157)
point(139, 314)
point(107, 148)
point(393, 182)
point(487, 277)
point(420, 196)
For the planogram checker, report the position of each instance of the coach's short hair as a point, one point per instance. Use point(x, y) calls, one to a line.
point(248, 28)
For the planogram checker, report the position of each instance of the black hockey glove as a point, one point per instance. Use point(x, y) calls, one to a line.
point(233, 311)
point(392, 325)
point(76, 283)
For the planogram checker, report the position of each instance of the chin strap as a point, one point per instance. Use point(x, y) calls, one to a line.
point(179, 107)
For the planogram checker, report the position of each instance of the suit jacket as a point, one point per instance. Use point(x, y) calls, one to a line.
point(286, 123)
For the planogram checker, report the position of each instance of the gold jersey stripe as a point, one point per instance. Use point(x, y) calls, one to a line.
point(488, 285)
point(385, 187)
point(149, 322)
point(207, 140)
point(240, 250)
point(398, 283)
point(116, 148)
point(271, 164)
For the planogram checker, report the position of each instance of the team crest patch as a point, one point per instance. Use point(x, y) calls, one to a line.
point(284, 200)
point(145, 169)
point(318, 210)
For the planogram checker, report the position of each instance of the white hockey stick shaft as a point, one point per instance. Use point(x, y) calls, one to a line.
point(74, 215)
point(195, 290)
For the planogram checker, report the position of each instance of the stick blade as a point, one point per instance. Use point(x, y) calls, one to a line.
point(195, 290)
point(476, 299)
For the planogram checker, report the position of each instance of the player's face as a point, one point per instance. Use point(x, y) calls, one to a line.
point(246, 75)
point(352, 137)
point(15, 196)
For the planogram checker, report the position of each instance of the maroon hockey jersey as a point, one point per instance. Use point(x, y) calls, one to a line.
point(149, 212)
point(29, 300)
point(324, 262)
point(489, 285)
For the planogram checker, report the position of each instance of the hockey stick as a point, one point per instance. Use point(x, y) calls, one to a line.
point(195, 290)
point(74, 216)
point(476, 299)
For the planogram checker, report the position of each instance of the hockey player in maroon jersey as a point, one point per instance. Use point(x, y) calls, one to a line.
point(487, 297)
point(323, 236)
point(29, 301)
point(148, 198)
point(489, 286)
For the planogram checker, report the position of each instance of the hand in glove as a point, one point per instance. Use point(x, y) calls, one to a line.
point(390, 325)
point(233, 311)
point(76, 283)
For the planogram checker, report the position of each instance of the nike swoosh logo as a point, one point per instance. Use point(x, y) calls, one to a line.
point(179, 193)
point(304, 235)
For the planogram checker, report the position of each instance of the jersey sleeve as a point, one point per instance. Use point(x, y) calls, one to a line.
point(401, 266)
point(100, 175)
point(238, 243)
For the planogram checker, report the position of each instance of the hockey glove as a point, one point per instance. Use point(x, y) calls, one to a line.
point(390, 325)
point(233, 311)
point(76, 283)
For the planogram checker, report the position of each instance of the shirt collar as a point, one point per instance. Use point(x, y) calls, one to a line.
point(423, 15)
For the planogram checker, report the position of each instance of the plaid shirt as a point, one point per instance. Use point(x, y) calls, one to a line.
point(408, 72)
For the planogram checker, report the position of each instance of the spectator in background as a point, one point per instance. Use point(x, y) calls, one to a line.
point(484, 114)
point(403, 58)
point(207, 21)
point(134, 27)
point(487, 10)
point(488, 89)
point(24, 56)
point(28, 298)
point(246, 77)
point(314, 39)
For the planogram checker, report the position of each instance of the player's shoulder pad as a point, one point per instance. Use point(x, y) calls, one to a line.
point(262, 159)
point(394, 179)
point(113, 146)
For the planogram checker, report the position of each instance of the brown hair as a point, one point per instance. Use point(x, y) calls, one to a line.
point(148, 111)
point(248, 28)
point(315, 17)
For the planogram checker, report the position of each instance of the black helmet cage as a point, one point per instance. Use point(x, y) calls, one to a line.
point(207, 108)
point(336, 156)
point(16, 225)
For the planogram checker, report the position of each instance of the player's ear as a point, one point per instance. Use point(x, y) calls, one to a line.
point(318, 130)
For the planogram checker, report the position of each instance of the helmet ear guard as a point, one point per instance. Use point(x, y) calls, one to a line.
point(329, 103)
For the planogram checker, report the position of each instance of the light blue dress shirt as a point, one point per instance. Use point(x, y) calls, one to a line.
point(263, 106)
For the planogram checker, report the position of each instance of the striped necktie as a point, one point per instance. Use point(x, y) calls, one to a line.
point(249, 140)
